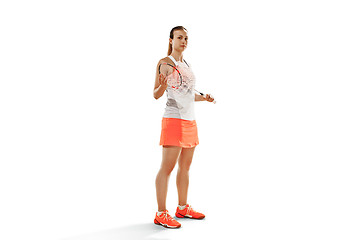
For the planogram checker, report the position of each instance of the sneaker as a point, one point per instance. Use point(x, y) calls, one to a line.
point(188, 212)
point(164, 219)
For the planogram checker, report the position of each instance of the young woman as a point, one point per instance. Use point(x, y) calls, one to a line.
point(179, 131)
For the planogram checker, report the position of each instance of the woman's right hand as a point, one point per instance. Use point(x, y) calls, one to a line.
point(162, 80)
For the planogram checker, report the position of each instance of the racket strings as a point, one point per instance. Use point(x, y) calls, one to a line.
point(174, 79)
point(172, 75)
point(181, 79)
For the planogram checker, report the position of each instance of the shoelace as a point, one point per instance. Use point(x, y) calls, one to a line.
point(167, 217)
point(189, 210)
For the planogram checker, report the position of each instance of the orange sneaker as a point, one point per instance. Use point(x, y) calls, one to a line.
point(164, 219)
point(188, 212)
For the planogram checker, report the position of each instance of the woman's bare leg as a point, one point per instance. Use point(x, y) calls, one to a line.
point(182, 178)
point(169, 159)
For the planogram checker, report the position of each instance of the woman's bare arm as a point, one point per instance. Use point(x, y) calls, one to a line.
point(160, 83)
point(207, 97)
point(198, 98)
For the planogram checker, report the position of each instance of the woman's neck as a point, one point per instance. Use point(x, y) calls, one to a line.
point(177, 55)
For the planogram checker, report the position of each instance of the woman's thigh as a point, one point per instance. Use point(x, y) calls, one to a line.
point(170, 156)
point(186, 157)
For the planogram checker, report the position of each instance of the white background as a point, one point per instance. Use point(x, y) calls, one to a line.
point(79, 128)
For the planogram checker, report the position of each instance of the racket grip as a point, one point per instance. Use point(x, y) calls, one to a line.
point(214, 102)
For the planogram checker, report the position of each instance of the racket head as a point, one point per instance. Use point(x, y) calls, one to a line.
point(172, 75)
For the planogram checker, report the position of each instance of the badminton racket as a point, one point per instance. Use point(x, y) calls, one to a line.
point(174, 77)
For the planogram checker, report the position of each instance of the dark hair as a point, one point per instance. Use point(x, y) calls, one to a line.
point(172, 36)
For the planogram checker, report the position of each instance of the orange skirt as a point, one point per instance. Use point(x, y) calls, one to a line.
point(179, 132)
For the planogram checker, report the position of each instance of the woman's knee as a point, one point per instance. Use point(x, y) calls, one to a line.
point(166, 170)
point(184, 166)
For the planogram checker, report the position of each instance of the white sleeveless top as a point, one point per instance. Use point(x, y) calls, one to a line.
point(180, 102)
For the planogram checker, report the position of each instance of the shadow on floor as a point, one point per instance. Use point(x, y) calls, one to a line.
point(131, 232)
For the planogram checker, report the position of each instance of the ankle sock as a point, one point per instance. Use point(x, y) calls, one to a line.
point(182, 207)
point(159, 213)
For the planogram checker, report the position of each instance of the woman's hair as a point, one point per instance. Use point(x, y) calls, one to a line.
point(172, 36)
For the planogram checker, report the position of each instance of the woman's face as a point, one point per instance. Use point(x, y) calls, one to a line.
point(180, 41)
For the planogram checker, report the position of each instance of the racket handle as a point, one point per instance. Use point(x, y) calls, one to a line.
point(204, 95)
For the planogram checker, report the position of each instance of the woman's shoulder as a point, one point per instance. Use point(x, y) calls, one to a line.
point(165, 60)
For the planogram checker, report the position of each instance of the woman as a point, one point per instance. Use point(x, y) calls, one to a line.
point(179, 131)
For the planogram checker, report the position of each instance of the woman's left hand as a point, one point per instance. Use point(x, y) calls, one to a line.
point(209, 98)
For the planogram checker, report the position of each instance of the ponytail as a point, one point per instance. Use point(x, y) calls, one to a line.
point(169, 49)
